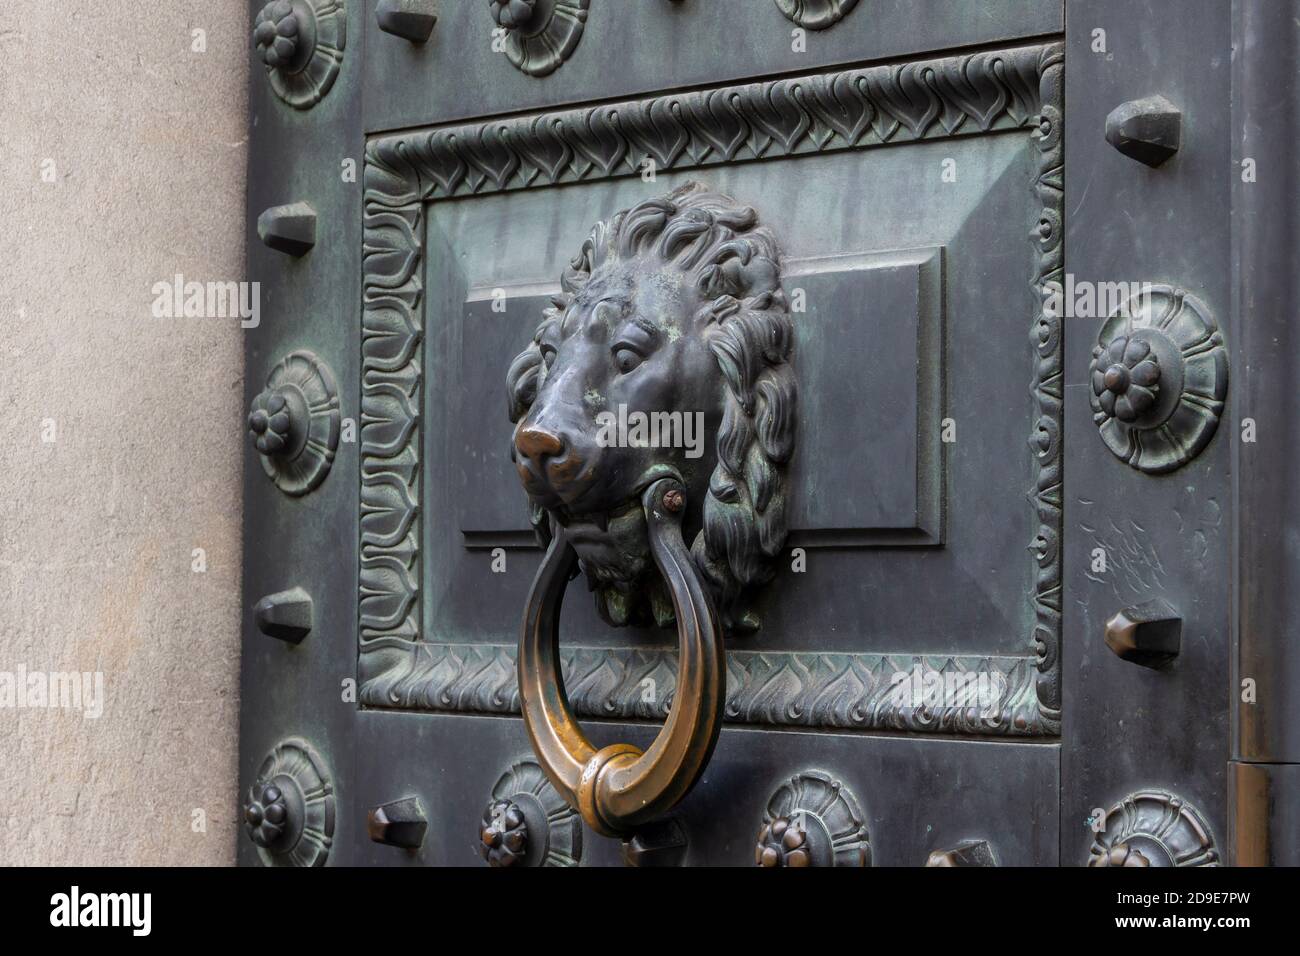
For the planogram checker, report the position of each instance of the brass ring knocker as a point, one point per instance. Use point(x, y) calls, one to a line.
point(618, 788)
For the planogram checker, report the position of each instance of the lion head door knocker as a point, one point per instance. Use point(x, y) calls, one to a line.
point(654, 407)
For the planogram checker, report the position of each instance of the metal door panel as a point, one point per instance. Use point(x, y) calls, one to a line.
point(429, 641)
point(921, 207)
point(308, 303)
point(631, 48)
point(915, 797)
point(1126, 727)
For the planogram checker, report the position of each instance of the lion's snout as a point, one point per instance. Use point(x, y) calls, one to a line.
point(538, 444)
point(551, 463)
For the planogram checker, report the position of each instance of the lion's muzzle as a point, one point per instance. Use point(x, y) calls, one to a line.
point(552, 465)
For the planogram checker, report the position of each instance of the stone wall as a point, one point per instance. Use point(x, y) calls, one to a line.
point(122, 165)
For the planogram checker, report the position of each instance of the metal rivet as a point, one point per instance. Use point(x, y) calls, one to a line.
point(659, 844)
point(1148, 130)
point(401, 823)
point(289, 229)
point(409, 19)
point(286, 616)
point(1148, 634)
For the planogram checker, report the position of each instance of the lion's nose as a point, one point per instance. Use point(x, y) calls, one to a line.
point(536, 443)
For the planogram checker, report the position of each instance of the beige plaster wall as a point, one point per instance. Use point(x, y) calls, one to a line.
point(122, 163)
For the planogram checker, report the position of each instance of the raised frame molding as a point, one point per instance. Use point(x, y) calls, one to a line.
point(1014, 89)
point(827, 690)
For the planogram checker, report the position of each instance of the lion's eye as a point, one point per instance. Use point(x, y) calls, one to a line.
point(626, 359)
point(548, 353)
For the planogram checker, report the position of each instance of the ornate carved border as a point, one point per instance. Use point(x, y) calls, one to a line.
point(1049, 384)
point(840, 691)
point(1014, 89)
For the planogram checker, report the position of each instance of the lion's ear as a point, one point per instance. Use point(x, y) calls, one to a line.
point(573, 279)
point(718, 311)
point(522, 381)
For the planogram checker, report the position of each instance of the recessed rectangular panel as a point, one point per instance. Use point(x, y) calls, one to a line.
point(496, 323)
point(870, 338)
point(869, 358)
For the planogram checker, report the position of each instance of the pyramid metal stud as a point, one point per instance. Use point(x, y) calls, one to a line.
point(286, 616)
point(290, 229)
point(401, 823)
point(1149, 634)
point(659, 844)
point(409, 19)
point(1149, 130)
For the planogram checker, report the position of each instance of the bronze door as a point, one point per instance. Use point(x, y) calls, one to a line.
point(768, 323)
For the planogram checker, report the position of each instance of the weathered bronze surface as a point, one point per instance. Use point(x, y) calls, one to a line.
point(874, 201)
